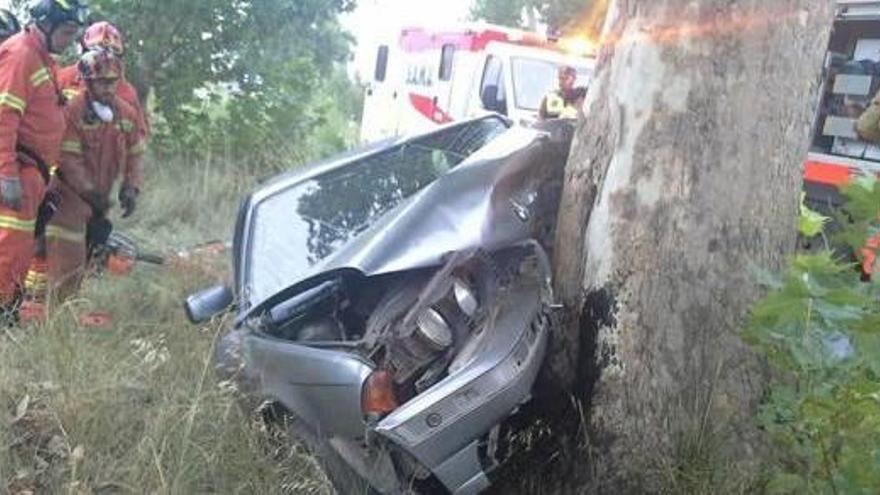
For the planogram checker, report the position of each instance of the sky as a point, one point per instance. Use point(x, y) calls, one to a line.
point(376, 21)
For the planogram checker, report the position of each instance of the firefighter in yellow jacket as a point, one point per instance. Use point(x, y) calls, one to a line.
point(564, 102)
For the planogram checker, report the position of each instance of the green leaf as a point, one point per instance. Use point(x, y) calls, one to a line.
point(810, 222)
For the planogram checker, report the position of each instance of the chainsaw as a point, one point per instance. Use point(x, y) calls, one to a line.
point(114, 251)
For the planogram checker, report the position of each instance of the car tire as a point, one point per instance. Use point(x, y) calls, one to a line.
point(344, 478)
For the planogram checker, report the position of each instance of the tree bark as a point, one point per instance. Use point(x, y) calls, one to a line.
point(684, 176)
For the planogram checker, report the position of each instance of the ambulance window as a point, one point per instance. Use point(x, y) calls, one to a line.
point(446, 56)
point(492, 89)
point(381, 63)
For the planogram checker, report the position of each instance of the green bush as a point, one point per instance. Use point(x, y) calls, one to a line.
point(820, 330)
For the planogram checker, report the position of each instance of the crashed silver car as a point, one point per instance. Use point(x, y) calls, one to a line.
point(394, 304)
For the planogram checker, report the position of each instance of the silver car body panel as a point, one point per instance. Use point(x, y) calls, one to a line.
point(439, 424)
point(480, 203)
point(322, 387)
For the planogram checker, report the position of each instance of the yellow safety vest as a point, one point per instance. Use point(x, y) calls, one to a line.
point(557, 108)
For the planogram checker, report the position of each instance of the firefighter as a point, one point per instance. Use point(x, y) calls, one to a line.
point(107, 36)
point(31, 128)
point(102, 142)
point(8, 25)
point(564, 102)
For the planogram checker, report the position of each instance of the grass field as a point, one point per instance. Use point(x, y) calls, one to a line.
point(136, 408)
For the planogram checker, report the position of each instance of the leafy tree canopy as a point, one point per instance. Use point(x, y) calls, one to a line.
point(243, 75)
point(557, 14)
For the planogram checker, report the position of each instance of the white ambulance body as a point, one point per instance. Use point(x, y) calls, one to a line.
point(428, 78)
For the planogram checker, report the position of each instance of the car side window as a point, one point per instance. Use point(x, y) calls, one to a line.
point(492, 90)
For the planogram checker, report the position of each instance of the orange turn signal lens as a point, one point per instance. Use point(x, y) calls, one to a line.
point(378, 395)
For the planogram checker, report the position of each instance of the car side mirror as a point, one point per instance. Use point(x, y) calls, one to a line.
point(205, 304)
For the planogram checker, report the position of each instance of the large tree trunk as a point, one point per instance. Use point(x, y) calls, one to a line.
point(685, 175)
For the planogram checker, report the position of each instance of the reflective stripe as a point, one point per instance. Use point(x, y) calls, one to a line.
point(64, 234)
point(64, 4)
point(12, 223)
point(36, 282)
point(126, 125)
point(70, 93)
point(555, 104)
point(138, 149)
point(71, 146)
point(557, 107)
point(41, 76)
point(12, 101)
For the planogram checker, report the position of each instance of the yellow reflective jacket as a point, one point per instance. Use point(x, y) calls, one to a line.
point(555, 106)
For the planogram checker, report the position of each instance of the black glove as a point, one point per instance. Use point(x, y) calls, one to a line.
point(127, 200)
point(47, 209)
point(11, 193)
point(97, 232)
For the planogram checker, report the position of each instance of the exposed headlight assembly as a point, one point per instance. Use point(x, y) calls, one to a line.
point(465, 298)
point(434, 330)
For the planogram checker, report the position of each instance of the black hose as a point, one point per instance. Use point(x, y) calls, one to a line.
point(153, 259)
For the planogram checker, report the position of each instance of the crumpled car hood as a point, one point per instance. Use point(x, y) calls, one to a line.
point(483, 201)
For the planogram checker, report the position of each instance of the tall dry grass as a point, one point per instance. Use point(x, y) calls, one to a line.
point(136, 408)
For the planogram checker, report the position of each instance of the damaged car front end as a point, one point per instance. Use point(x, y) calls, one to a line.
point(395, 303)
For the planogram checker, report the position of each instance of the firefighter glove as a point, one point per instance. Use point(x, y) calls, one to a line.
point(48, 207)
point(127, 200)
point(11, 193)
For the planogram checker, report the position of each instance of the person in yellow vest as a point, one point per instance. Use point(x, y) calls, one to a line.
point(564, 102)
point(868, 123)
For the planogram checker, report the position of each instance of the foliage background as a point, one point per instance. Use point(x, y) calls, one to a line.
point(819, 327)
point(262, 82)
point(559, 15)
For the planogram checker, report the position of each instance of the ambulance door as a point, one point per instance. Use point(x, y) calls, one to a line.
point(492, 95)
point(381, 113)
point(446, 76)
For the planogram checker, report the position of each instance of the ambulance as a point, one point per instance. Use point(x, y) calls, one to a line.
point(428, 78)
point(851, 77)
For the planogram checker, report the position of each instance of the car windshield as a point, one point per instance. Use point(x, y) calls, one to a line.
point(533, 78)
point(305, 223)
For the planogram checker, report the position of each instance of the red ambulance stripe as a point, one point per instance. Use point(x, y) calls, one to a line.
point(825, 173)
point(425, 105)
point(416, 40)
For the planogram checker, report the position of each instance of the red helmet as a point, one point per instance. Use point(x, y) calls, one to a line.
point(99, 64)
point(103, 35)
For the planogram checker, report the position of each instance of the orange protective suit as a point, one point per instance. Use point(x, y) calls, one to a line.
point(96, 154)
point(73, 85)
point(93, 155)
point(31, 115)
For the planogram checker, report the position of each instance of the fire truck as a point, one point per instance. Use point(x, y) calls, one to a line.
point(428, 78)
point(851, 77)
